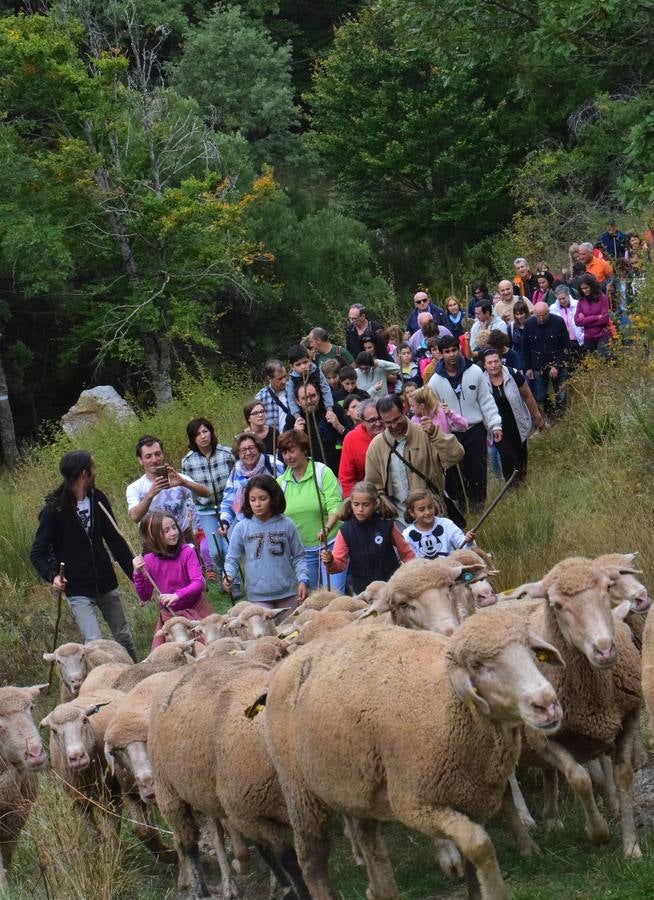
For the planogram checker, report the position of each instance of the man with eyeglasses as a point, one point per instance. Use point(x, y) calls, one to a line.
point(422, 304)
point(358, 325)
point(406, 457)
point(352, 467)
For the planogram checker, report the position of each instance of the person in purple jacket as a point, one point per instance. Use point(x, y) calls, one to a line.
point(174, 567)
point(592, 314)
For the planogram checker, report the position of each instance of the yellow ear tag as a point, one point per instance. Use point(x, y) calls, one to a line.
point(232, 652)
point(470, 703)
point(295, 614)
point(373, 613)
point(292, 634)
point(542, 656)
point(253, 710)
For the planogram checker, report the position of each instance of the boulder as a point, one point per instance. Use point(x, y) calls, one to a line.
point(96, 405)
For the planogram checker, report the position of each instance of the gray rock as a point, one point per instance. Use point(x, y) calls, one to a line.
point(96, 405)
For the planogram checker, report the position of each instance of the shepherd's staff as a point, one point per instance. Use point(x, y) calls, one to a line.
point(129, 546)
point(308, 412)
point(274, 446)
point(222, 556)
point(490, 509)
point(61, 595)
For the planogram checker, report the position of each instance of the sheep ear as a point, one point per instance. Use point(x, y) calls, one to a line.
point(37, 689)
point(160, 633)
point(543, 651)
point(533, 589)
point(380, 605)
point(273, 613)
point(108, 755)
point(621, 611)
point(255, 708)
point(93, 710)
point(49, 657)
point(466, 691)
point(45, 722)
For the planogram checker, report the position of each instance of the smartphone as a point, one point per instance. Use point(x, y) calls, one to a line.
point(161, 472)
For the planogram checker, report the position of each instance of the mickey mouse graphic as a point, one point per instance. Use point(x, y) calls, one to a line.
point(429, 544)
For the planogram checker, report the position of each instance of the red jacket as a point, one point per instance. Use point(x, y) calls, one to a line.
point(352, 467)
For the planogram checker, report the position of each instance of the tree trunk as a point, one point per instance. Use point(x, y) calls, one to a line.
point(7, 432)
point(157, 358)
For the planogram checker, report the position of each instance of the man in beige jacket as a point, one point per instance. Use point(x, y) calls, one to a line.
point(406, 456)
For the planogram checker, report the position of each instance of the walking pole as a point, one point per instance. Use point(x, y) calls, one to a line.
point(315, 483)
point(490, 509)
point(274, 453)
point(129, 546)
point(60, 594)
point(220, 556)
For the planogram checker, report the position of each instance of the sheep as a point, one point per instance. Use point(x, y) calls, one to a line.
point(75, 661)
point(599, 689)
point(180, 630)
point(77, 754)
point(435, 752)
point(627, 587)
point(252, 622)
point(648, 667)
point(220, 770)
point(210, 628)
point(125, 749)
point(223, 646)
point(163, 658)
point(317, 600)
point(420, 594)
point(324, 623)
point(101, 677)
point(21, 757)
point(346, 604)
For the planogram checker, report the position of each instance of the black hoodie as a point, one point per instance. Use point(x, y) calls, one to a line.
point(61, 537)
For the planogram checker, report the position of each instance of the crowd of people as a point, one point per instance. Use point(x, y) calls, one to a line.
point(353, 458)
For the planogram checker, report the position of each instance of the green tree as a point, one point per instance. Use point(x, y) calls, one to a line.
point(119, 199)
point(241, 81)
point(415, 146)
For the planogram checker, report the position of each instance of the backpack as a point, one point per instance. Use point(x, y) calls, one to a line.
point(319, 469)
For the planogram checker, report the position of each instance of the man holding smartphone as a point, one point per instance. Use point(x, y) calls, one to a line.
point(161, 487)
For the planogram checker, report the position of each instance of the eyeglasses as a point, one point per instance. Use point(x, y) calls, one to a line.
point(374, 421)
point(248, 450)
point(258, 412)
point(395, 421)
point(420, 302)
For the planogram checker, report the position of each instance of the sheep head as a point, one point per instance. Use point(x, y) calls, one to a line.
point(20, 742)
point(626, 586)
point(492, 666)
point(577, 594)
point(71, 664)
point(422, 595)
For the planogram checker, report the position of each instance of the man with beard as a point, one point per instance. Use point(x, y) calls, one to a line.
point(74, 526)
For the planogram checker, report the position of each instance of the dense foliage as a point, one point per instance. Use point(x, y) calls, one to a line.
point(186, 181)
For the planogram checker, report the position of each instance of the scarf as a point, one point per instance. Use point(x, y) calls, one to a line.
point(242, 475)
point(455, 319)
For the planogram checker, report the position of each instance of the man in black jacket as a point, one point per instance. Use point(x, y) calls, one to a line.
point(545, 346)
point(73, 529)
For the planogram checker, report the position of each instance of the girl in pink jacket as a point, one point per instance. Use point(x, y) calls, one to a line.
point(426, 403)
point(173, 566)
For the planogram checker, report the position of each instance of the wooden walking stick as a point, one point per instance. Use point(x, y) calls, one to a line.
point(60, 594)
point(309, 412)
point(490, 509)
point(129, 546)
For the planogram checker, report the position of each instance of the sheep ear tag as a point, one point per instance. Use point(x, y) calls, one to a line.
point(255, 708)
point(467, 577)
point(292, 634)
point(93, 710)
point(232, 652)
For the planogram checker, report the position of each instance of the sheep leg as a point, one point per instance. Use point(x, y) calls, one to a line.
point(520, 802)
point(471, 839)
point(217, 833)
point(449, 858)
point(381, 879)
point(526, 846)
point(623, 778)
point(640, 753)
point(241, 854)
point(309, 821)
point(606, 783)
point(179, 816)
point(146, 831)
point(551, 818)
point(554, 754)
point(349, 833)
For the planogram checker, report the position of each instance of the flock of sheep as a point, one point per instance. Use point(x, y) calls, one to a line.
point(337, 710)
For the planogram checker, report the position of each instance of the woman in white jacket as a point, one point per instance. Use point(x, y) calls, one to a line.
point(518, 409)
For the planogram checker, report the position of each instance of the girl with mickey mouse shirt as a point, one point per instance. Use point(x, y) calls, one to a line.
point(431, 535)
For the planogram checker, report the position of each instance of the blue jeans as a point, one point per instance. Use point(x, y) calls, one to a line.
point(312, 559)
point(541, 387)
point(211, 524)
point(83, 611)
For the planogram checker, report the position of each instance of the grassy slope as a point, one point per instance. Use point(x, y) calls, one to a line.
point(590, 491)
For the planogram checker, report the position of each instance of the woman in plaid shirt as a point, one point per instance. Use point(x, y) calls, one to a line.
point(208, 463)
